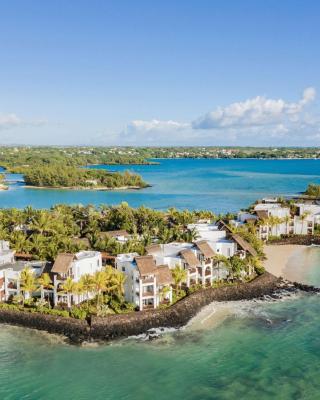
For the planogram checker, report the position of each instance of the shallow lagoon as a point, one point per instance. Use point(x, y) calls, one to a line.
point(265, 350)
point(220, 185)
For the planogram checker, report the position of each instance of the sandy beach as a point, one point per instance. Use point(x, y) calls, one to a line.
point(280, 257)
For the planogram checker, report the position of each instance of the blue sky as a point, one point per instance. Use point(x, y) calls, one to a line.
point(159, 72)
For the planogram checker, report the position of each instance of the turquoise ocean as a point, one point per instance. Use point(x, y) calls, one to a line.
point(262, 350)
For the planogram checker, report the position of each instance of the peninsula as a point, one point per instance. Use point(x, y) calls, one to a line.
point(115, 267)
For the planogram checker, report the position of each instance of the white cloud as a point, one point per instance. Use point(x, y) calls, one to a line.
point(12, 120)
point(9, 120)
point(155, 125)
point(153, 131)
point(259, 111)
point(256, 121)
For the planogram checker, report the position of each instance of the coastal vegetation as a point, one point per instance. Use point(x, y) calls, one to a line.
point(57, 175)
point(313, 190)
point(64, 228)
point(106, 286)
point(16, 159)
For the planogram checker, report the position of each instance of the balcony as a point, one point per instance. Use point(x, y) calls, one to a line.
point(148, 293)
point(192, 271)
point(147, 280)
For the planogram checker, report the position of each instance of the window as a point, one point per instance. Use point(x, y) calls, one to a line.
point(98, 263)
point(123, 269)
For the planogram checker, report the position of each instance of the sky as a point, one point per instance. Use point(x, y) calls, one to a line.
point(160, 73)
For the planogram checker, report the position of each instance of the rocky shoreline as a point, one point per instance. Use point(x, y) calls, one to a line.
point(305, 240)
point(135, 323)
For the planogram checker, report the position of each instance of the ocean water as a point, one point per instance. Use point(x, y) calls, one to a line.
point(263, 350)
point(219, 185)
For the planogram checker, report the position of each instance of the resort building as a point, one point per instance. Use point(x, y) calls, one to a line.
point(10, 276)
point(196, 259)
point(277, 220)
point(310, 210)
point(73, 266)
point(121, 236)
point(147, 285)
point(217, 236)
point(6, 254)
point(274, 219)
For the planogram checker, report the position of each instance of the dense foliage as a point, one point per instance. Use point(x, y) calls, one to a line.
point(313, 190)
point(57, 175)
point(45, 233)
point(17, 158)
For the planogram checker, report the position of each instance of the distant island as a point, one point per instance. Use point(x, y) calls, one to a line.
point(15, 158)
point(58, 176)
point(65, 167)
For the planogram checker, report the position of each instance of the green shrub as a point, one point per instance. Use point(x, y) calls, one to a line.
point(78, 313)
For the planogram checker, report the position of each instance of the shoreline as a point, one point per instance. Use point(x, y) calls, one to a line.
point(96, 189)
point(279, 256)
point(97, 329)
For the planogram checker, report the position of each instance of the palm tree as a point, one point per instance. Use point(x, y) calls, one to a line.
point(99, 284)
point(287, 219)
point(69, 288)
point(45, 282)
point(303, 217)
point(179, 275)
point(164, 291)
point(88, 285)
point(27, 282)
point(41, 223)
point(220, 259)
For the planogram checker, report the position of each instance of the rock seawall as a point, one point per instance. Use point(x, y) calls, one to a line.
point(180, 313)
point(123, 325)
point(76, 330)
point(306, 240)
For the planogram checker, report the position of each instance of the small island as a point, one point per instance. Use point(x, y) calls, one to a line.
point(69, 177)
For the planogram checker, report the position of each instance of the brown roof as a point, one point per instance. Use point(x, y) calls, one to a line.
point(107, 256)
point(114, 234)
point(262, 214)
point(62, 263)
point(223, 226)
point(146, 265)
point(244, 244)
point(189, 257)
point(153, 248)
point(205, 248)
point(164, 275)
point(23, 256)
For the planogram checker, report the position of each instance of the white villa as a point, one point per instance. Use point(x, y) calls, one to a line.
point(10, 276)
point(301, 224)
point(187, 256)
point(121, 236)
point(217, 237)
point(6, 254)
point(147, 285)
point(73, 266)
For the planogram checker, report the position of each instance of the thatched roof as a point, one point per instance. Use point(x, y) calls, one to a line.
point(153, 248)
point(164, 275)
point(262, 214)
point(62, 263)
point(244, 244)
point(146, 265)
point(189, 257)
point(222, 226)
point(205, 248)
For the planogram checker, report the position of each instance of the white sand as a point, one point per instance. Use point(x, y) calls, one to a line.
point(280, 256)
